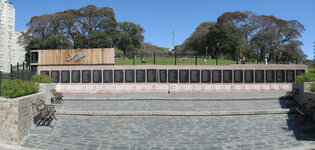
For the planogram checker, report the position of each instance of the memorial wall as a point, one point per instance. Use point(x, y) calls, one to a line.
point(174, 74)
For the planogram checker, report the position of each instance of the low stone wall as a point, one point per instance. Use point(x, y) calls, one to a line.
point(46, 87)
point(16, 115)
point(170, 88)
point(304, 92)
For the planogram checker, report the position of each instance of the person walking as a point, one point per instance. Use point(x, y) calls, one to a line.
point(204, 61)
point(243, 59)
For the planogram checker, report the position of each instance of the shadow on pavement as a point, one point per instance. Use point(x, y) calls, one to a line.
point(306, 131)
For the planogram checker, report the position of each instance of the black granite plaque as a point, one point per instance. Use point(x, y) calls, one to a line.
point(151, 75)
point(280, 77)
point(140, 75)
point(97, 76)
point(65, 76)
point(270, 76)
point(86, 76)
point(238, 76)
point(290, 75)
point(216, 76)
point(249, 76)
point(129, 76)
point(46, 73)
point(163, 76)
point(259, 76)
point(75, 76)
point(205, 76)
point(299, 72)
point(118, 76)
point(227, 76)
point(172, 76)
point(108, 76)
point(183, 76)
point(55, 76)
point(194, 76)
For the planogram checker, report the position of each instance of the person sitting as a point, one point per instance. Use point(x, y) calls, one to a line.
point(142, 60)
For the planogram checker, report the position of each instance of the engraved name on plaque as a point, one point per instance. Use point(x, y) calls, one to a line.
point(46, 73)
point(86, 76)
point(259, 76)
point(75, 76)
point(118, 76)
point(238, 76)
point(216, 76)
point(163, 76)
point(97, 76)
point(108, 76)
point(183, 76)
point(151, 75)
point(172, 76)
point(205, 76)
point(227, 76)
point(249, 76)
point(55, 76)
point(129, 76)
point(280, 76)
point(65, 76)
point(140, 75)
point(194, 76)
point(290, 75)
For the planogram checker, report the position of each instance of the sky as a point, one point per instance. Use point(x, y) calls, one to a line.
point(160, 17)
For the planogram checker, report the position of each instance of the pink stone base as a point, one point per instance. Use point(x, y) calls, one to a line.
point(170, 88)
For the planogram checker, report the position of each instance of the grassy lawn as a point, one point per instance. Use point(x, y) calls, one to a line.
point(311, 70)
point(171, 61)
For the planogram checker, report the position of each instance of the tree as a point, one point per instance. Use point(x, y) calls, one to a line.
point(130, 36)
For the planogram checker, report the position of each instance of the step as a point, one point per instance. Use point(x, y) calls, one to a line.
point(173, 113)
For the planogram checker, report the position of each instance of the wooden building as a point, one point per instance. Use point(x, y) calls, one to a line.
point(56, 57)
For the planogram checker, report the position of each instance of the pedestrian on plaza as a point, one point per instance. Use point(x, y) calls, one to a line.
point(244, 60)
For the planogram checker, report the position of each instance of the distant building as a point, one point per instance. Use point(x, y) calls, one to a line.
point(11, 52)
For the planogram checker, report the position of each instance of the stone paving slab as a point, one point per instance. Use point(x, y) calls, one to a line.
point(174, 132)
point(173, 113)
point(157, 96)
point(160, 105)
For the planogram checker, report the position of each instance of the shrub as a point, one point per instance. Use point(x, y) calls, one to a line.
point(313, 87)
point(17, 88)
point(42, 79)
point(306, 77)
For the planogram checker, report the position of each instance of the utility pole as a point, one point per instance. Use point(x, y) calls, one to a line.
point(206, 52)
point(314, 51)
point(173, 47)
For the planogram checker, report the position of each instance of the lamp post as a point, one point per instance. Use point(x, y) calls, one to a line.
point(173, 48)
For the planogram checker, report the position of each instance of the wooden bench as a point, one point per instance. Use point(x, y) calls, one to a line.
point(306, 110)
point(57, 96)
point(290, 97)
point(292, 93)
point(44, 113)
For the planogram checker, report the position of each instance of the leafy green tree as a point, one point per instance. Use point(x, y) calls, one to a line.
point(130, 36)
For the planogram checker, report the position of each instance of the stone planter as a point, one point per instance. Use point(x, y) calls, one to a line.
point(16, 115)
point(304, 92)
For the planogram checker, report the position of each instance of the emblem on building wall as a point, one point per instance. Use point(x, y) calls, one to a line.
point(79, 56)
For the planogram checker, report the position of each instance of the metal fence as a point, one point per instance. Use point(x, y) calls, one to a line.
point(183, 59)
point(19, 71)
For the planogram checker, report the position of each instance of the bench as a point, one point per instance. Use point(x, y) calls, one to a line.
point(306, 110)
point(44, 113)
point(290, 97)
point(57, 96)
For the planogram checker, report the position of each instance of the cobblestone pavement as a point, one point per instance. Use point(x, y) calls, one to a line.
point(160, 105)
point(182, 95)
point(173, 132)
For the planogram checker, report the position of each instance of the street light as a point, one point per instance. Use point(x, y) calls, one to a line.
point(173, 47)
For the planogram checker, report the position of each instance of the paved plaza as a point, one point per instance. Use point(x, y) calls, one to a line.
point(83, 132)
point(176, 132)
